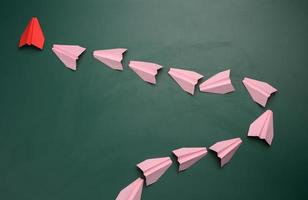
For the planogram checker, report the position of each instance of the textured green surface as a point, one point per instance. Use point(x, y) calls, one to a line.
point(68, 135)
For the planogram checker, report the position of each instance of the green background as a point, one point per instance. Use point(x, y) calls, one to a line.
point(68, 135)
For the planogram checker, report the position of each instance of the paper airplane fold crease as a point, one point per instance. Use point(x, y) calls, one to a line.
point(225, 149)
point(33, 34)
point(259, 91)
point(132, 192)
point(154, 168)
point(111, 57)
point(185, 78)
point(188, 156)
point(219, 83)
point(68, 54)
point(145, 70)
point(263, 127)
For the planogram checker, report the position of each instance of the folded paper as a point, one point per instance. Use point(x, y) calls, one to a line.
point(145, 70)
point(132, 192)
point(226, 149)
point(33, 35)
point(188, 156)
point(110, 57)
point(258, 90)
point(154, 168)
point(185, 78)
point(68, 54)
point(219, 83)
point(263, 127)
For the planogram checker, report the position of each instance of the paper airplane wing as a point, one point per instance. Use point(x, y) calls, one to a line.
point(71, 50)
point(189, 156)
point(132, 191)
point(67, 60)
point(185, 78)
point(111, 57)
point(145, 70)
point(226, 149)
point(26, 35)
point(263, 127)
point(219, 83)
point(258, 90)
point(154, 168)
point(68, 54)
point(33, 35)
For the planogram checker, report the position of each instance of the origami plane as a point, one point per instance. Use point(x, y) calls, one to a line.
point(226, 149)
point(145, 70)
point(189, 156)
point(154, 168)
point(32, 35)
point(258, 90)
point(132, 192)
point(110, 57)
point(185, 78)
point(68, 54)
point(219, 83)
point(263, 127)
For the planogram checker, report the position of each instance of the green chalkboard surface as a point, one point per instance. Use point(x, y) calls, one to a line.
point(68, 135)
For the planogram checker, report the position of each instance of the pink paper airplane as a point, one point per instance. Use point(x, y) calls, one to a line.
point(132, 191)
point(189, 156)
point(263, 127)
point(68, 54)
point(219, 83)
point(185, 78)
point(226, 149)
point(145, 70)
point(110, 57)
point(258, 90)
point(154, 168)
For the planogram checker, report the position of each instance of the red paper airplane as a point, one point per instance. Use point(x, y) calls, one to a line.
point(33, 34)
